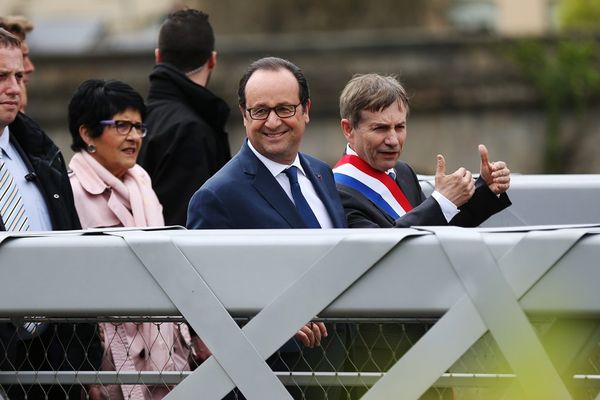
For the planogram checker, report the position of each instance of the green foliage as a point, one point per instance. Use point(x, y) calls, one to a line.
point(567, 76)
point(579, 15)
point(566, 71)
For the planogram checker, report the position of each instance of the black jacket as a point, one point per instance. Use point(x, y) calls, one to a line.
point(362, 213)
point(45, 161)
point(186, 142)
point(63, 346)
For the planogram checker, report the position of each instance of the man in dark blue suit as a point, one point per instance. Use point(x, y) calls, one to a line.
point(269, 184)
point(253, 191)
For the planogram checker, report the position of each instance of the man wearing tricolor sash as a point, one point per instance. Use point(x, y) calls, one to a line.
point(378, 190)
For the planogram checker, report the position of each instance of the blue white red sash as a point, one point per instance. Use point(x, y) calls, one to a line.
point(377, 186)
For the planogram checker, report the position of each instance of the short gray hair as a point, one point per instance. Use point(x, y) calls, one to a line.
point(372, 92)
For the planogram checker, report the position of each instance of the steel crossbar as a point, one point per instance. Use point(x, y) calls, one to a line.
point(212, 277)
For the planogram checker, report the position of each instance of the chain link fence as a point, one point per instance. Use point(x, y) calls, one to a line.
point(101, 358)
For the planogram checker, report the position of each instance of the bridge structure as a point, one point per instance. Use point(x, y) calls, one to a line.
point(530, 286)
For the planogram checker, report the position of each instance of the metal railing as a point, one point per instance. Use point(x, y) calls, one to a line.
point(413, 313)
point(212, 277)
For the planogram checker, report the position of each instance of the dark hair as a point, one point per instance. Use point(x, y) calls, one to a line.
point(186, 39)
point(8, 40)
point(274, 64)
point(96, 100)
point(372, 92)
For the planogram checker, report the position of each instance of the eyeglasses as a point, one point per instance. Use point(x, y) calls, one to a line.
point(124, 127)
point(283, 111)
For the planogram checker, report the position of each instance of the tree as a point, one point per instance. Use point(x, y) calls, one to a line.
point(565, 72)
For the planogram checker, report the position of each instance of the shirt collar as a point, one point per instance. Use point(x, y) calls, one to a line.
point(351, 152)
point(276, 168)
point(5, 146)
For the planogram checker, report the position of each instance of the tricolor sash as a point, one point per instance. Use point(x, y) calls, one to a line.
point(377, 186)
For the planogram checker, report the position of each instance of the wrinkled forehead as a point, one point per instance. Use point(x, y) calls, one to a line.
point(11, 59)
point(8, 52)
point(396, 111)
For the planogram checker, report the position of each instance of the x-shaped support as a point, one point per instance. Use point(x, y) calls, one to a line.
point(239, 354)
point(492, 290)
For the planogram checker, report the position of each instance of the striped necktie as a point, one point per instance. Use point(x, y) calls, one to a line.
point(15, 220)
point(11, 204)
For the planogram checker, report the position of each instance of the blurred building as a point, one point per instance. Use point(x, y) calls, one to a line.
point(77, 25)
point(451, 55)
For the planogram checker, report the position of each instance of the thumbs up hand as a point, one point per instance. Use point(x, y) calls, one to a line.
point(495, 174)
point(457, 187)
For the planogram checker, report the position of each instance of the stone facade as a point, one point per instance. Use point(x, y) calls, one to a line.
point(464, 91)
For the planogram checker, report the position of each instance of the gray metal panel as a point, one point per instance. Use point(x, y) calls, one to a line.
point(99, 275)
point(289, 276)
point(545, 199)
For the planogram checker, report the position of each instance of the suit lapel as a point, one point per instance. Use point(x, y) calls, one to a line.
point(316, 178)
point(268, 187)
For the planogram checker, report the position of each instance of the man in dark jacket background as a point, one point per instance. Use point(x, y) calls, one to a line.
point(33, 174)
point(186, 142)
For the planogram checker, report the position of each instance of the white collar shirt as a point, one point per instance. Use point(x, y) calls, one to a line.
point(308, 191)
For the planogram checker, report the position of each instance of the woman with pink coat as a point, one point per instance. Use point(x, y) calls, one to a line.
point(111, 190)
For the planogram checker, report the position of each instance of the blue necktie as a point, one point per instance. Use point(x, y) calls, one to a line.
point(301, 204)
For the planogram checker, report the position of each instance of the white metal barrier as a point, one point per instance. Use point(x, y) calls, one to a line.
point(545, 199)
point(478, 280)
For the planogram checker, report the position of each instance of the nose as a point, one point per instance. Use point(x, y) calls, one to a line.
point(272, 120)
point(14, 88)
point(392, 138)
point(135, 134)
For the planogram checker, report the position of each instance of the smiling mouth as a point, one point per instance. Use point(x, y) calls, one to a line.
point(129, 151)
point(274, 134)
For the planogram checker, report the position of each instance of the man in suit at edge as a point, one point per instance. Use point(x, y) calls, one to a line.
point(378, 190)
point(34, 176)
point(253, 191)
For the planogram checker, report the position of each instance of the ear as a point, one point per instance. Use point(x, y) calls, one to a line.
point(212, 60)
point(85, 135)
point(306, 108)
point(157, 56)
point(347, 129)
point(244, 116)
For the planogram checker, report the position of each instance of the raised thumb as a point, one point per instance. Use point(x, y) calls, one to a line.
point(440, 169)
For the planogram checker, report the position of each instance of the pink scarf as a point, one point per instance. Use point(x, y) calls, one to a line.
point(131, 199)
